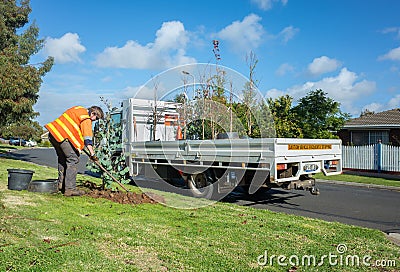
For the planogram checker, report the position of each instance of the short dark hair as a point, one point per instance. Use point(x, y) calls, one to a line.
point(97, 111)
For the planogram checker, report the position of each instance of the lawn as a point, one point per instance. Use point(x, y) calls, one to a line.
point(49, 232)
point(361, 179)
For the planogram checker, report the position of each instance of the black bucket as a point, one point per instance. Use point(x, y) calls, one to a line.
point(43, 186)
point(18, 179)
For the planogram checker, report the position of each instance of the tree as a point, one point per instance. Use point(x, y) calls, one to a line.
point(216, 104)
point(108, 146)
point(249, 93)
point(156, 112)
point(26, 130)
point(366, 112)
point(19, 80)
point(319, 116)
point(253, 110)
point(240, 110)
point(285, 119)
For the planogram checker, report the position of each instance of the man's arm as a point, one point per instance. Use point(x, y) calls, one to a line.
point(87, 133)
point(91, 150)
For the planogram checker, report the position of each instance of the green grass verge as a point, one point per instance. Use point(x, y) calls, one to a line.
point(43, 232)
point(361, 179)
point(4, 148)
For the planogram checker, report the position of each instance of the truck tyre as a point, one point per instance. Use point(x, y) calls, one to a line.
point(200, 186)
point(314, 191)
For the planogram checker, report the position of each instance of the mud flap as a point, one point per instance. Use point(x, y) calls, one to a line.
point(257, 182)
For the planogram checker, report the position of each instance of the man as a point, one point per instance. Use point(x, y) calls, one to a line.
point(69, 134)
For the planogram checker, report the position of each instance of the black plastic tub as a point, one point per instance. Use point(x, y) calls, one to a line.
point(43, 186)
point(19, 179)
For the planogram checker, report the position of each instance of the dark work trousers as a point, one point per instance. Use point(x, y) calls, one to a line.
point(68, 160)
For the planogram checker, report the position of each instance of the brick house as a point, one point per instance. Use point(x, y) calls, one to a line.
point(369, 129)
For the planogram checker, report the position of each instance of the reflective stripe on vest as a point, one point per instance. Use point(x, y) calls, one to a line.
point(67, 126)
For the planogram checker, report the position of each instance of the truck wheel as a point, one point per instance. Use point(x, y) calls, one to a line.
point(200, 186)
point(314, 191)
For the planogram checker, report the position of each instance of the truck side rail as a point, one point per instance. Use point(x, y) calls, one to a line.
point(308, 156)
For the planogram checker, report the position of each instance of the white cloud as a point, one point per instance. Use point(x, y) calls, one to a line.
point(394, 102)
point(393, 54)
point(167, 50)
point(323, 65)
point(243, 35)
point(344, 88)
point(274, 93)
point(267, 4)
point(107, 79)
point(288, 33)
point(65, 49)
point(374, 107)
point(395, 30)
point(128, 92)
point(53, 103)
point(284, 69)
point(171, 35)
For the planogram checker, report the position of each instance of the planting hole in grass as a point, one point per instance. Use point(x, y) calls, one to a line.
point(126, 197)
point(122, 197)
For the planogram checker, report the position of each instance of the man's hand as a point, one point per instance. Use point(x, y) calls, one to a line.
point(94, 158)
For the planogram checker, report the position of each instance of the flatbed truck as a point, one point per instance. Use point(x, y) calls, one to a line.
point(208, 167)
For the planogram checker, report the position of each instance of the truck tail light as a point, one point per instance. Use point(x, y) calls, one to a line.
point(281, 166)
point(331, 164)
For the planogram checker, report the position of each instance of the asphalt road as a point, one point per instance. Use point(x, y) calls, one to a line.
point(360, 206)
point(45, 156)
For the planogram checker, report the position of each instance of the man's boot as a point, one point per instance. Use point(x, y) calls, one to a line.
point(74, 192)
point(60, 187)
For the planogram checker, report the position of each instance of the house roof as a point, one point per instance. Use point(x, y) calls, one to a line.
point(385, 119)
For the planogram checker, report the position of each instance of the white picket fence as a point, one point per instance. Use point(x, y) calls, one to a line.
point(379, 157)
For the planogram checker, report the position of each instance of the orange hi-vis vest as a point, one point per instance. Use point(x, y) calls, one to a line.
point(74, 125)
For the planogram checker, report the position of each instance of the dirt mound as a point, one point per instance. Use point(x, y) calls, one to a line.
point(97, 191)
point(126, 197)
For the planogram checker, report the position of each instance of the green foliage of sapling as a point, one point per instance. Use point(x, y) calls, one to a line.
point(108, 148)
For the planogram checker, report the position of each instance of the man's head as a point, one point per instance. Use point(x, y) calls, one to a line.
point(97, 112)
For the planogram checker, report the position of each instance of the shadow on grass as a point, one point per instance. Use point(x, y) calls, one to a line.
point(4, 149)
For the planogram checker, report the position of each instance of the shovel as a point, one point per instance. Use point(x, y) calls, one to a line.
point(105, 170)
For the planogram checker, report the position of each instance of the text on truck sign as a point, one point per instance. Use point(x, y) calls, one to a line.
point(309, 146)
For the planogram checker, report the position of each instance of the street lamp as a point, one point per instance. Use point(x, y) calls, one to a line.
point(194, 80)
point(185, 100)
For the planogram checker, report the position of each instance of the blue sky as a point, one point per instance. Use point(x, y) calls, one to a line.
point(350, 49)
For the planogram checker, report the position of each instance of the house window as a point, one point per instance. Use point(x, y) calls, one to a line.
point(369, 137)
point(360, 137)
point(376, 136)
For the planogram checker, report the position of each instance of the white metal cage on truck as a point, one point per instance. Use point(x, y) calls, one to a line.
point(220, 165)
